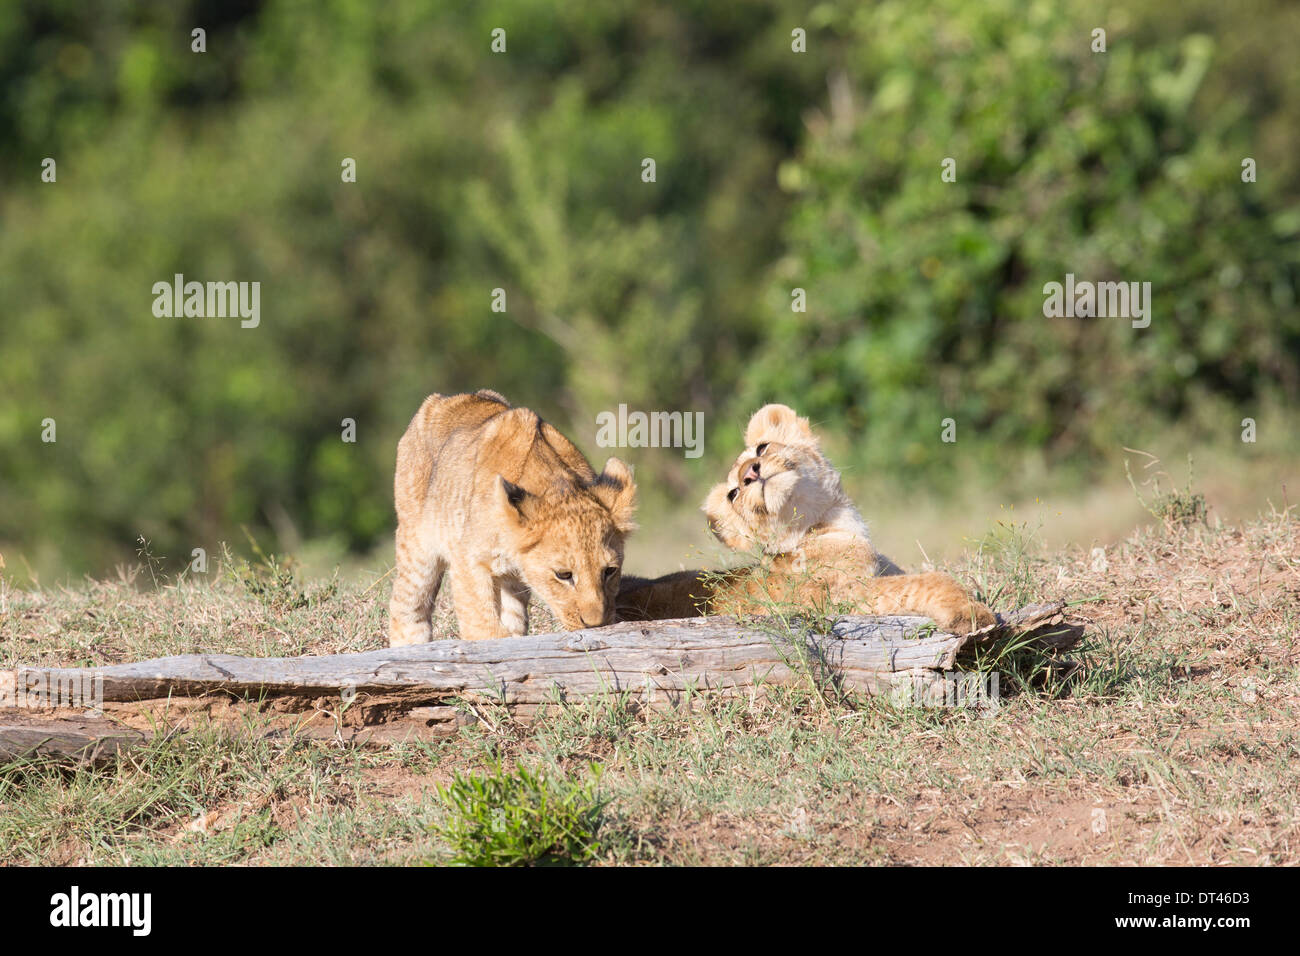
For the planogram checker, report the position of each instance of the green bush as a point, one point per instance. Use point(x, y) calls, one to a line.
point(926, 297)
point(522, 818)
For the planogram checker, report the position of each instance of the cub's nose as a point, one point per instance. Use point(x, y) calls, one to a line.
point(593, 614)
point(750, 472)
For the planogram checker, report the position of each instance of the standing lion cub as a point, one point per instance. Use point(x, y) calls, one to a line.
point(507, 505)
point(783, 498)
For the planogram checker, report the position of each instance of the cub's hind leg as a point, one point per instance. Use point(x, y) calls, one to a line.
point(416, 581)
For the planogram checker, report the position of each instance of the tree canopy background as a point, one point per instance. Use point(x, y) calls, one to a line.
point(521, 170)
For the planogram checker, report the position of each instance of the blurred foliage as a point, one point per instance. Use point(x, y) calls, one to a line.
point(927, 298)
point(522, 171)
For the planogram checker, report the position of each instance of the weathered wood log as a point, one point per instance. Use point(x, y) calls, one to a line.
point(84, 739)
point(1043, 624)
point(438, 686)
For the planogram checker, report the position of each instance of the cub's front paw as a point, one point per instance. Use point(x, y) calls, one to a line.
point(404, 635)
point(973, 617)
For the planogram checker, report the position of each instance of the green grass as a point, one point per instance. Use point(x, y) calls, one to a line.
point(1177, 727)
point(522, 818)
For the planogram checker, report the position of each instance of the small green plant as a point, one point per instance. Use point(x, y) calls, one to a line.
point(522, 818)
point(1006, 560)
point(144, 548)
point(1174, 508)
point(274, 581)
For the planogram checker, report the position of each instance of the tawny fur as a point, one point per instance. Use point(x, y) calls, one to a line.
point(782, 497)
point(507, 506)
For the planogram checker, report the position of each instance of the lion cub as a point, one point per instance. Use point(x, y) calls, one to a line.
point(784, 497)
point(508, 505)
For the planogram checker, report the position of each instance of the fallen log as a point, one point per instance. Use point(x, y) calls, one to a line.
point(429, 689)
point(83, 739)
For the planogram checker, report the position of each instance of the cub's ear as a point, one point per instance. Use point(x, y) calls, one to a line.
point(514, 502)
point(778, 423)
point(617, 492)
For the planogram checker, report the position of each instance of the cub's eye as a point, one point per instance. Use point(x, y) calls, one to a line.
point(564, 575)
point(731, 495)
point(760, 449)
point(611, 571)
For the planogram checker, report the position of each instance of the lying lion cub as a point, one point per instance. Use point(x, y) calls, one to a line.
point(783, 497)
point(508, 505)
